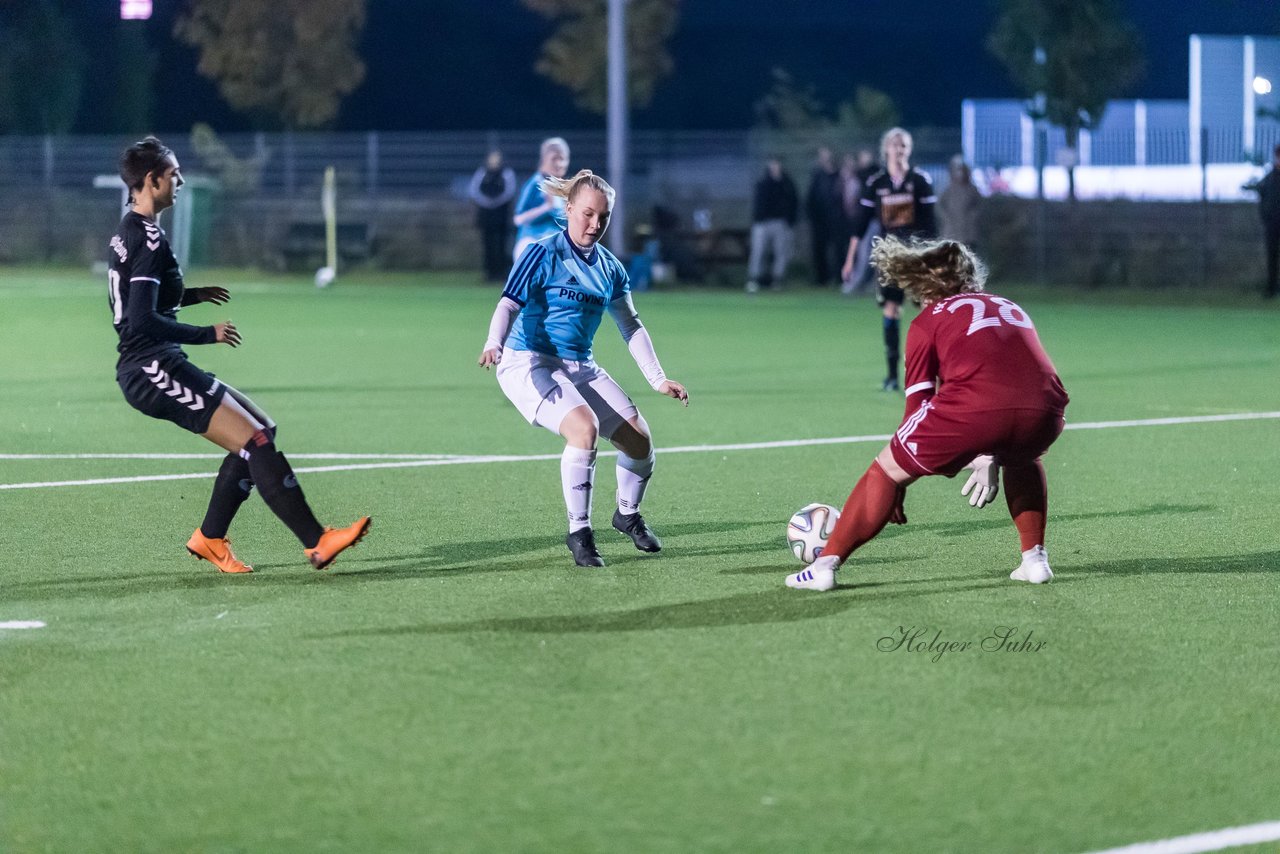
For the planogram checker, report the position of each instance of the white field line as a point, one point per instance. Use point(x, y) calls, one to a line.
point(1213, 840)
point(396, 461)
point(21, 624)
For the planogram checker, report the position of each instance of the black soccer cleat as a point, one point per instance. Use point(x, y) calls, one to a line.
point(640, 533)
point(582, 543)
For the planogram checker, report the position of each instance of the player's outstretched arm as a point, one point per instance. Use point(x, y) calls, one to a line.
point(216, 295)
point(640, 345)
point(226, 333)
point(847, 270)
point(499, 327)
point(671, 388)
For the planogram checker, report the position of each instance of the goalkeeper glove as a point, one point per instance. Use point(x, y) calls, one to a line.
point(984, 483)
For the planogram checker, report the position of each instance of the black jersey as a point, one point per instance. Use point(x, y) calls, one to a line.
point(144, 287)
point(904, 209)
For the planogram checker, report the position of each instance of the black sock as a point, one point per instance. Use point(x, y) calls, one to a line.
point(279, 487)
point(892, 341)
point(230, 489)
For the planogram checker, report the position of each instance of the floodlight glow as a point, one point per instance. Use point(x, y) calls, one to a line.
point(135, 10)
point(1262, 86)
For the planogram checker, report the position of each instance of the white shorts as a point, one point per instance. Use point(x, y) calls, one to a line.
point(546, 388)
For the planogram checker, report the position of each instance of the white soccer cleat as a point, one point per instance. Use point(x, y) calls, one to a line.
point(819, 575)
point(1034, 568)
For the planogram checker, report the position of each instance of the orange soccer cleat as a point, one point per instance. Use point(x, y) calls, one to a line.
point(335, 540)
point(217, 552)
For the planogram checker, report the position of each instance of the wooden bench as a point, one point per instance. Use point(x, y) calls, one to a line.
point(304, 244)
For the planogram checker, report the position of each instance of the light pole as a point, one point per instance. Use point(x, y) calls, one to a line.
point(617, 122)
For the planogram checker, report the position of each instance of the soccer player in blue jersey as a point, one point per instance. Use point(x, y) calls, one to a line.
point(540, 340)
point(538, 213)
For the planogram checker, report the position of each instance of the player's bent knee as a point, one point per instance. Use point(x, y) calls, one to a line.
point(580, 427)
point(891, 467)
point(231, 426)
point(632, 438)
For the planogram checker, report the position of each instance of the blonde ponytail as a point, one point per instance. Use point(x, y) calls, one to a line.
point(568, 188)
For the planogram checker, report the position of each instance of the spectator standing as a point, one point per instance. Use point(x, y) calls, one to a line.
point(774, 208)
point(1268, 190)
point(864, 168)
point(493, 186)
point(958, 205)
point(823, 206)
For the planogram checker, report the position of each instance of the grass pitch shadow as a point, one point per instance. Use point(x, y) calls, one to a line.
point(740, 609)
point(507, 554)
point(1207, 564)
point(1001, 520)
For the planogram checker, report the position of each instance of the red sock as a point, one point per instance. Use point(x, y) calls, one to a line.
point(865, 513)
point(1026, 489)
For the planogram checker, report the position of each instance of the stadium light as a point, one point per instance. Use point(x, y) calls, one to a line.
point(135, 10)
point(1262, 86)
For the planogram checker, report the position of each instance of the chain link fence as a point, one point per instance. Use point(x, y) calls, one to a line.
point(409, 190)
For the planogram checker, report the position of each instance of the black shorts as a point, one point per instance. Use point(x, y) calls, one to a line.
point(172, 389)
point(888, 293)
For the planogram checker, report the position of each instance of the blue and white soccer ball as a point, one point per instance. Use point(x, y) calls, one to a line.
point(809, 529)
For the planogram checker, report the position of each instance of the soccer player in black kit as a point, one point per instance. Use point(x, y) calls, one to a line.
point(145, 291)
point(902, 198)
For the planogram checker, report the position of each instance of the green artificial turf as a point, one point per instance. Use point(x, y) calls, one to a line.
point(456, 684)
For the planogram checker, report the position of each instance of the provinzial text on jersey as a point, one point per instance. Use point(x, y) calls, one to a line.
point(579, 296)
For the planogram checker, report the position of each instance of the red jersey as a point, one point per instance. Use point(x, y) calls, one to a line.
point(983, 354)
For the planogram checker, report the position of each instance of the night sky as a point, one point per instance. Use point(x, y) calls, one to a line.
point(451, 65)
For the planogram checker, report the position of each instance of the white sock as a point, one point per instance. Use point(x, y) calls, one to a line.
point(577, 478)
point(633, 480)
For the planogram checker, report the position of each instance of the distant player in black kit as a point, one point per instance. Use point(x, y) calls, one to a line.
point(145, 291)
point(902, 198)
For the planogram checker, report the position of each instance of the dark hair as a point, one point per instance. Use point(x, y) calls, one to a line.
point(141, 160)
point(1277, 151)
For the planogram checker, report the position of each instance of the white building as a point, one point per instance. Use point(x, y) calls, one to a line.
point(1207, 146)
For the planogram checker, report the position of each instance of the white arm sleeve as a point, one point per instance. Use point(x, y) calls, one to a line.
point(638, 340)
point(500, 326)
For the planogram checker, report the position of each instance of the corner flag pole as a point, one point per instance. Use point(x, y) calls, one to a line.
point(329, 202)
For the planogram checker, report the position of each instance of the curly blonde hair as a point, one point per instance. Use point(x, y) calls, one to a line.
point(568, 188)
point(929, 270)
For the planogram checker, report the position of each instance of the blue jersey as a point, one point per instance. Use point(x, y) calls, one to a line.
point(562, 296)
point(543, 224)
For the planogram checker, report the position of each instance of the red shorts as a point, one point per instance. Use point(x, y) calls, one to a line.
point(941, 439)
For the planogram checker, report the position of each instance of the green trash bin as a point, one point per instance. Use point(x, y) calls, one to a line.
point(189, 233)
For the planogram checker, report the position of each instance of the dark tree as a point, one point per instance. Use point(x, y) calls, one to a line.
point(1077, 54)
point(576, 55)
point(42, 68)
point(286, 62)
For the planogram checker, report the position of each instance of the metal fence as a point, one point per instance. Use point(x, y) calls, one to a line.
point(411, 164)
point(409, 188)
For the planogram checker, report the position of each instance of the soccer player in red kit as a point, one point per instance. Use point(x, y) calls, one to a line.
point(981, 394)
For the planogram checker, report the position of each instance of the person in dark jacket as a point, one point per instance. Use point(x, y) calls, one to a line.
point(824, 208)
point(1268, 190)
point(773, 215)
point(493, 186)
